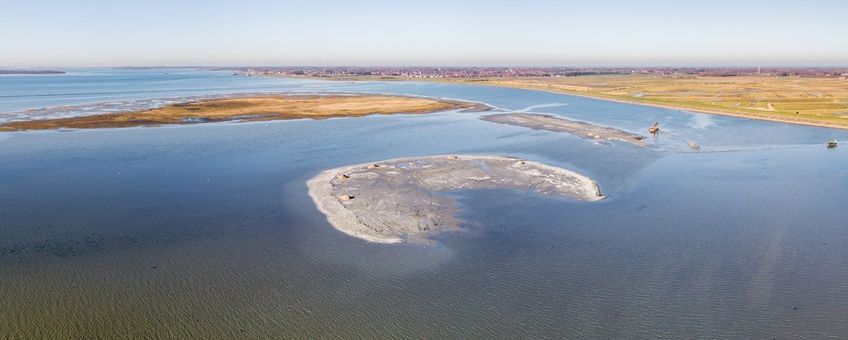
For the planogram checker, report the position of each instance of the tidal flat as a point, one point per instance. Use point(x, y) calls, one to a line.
point(250, 108)
point(558, 124)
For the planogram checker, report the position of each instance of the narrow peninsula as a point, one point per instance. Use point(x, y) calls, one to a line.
point(252, 108)
point(399, 200)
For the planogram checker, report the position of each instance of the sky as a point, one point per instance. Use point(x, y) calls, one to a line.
point(432, 32)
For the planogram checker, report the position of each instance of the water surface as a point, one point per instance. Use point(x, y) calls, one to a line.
point(206, 231)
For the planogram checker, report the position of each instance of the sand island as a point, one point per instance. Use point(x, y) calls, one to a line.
point(558, 124)
point(400, 200)
point(252, 108)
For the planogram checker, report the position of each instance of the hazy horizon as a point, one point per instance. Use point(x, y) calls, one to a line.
point(740, 66)
point(50, 33)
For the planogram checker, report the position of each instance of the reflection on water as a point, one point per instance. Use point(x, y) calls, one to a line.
point(701, 121)
point(206, 231)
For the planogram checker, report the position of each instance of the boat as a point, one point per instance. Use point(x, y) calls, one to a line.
point(655, 128)
point(832, 143)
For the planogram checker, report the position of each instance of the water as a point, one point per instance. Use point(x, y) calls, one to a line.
point(206, 231)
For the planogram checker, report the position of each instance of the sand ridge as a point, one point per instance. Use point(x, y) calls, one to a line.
point(558, 124)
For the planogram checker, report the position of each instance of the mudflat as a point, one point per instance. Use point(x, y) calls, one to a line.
point(252, 108)
point(399, 200)
point(551, 123)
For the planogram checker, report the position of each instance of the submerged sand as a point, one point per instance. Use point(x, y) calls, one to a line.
point(399, 200)
point(557, 124)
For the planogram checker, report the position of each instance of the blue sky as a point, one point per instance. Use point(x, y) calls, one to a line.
point(435, 32)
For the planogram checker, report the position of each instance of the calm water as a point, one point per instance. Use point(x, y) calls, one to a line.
point(206, 231)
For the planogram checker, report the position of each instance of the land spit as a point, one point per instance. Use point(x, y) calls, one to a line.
point(399, 200)
point(253, 108)
point(551, 123)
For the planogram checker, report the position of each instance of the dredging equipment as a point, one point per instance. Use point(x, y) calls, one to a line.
point(655, 128)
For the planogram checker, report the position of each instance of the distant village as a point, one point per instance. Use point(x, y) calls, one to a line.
point(495, 72)
point(29, 71)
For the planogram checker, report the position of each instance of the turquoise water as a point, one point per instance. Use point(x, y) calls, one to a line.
point(206, 231)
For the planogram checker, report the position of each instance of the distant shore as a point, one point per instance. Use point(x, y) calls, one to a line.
point(251, 108)
point(27, 71)
point(558, 85)
point(788, 120)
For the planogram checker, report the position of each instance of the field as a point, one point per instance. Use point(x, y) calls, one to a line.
point(809, 101)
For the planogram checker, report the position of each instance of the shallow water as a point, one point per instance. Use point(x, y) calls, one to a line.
point(206, 231)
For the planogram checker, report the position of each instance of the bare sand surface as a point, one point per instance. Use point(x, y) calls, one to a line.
point(552, 123)
point(399, 200)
